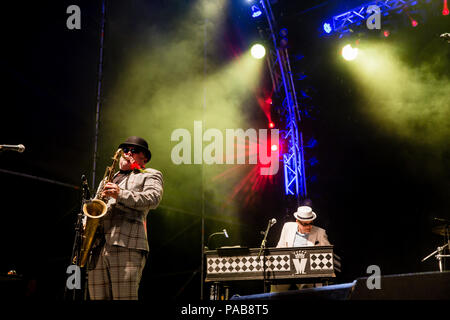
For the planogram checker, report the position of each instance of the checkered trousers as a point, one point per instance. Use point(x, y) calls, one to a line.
point(117, 274)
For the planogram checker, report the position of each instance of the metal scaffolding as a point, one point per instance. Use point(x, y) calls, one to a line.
point(283, 86)
point(341, 23)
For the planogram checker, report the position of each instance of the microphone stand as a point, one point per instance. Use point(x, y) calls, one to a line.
point(440, 250)
point(261, 249)
point(76, 248)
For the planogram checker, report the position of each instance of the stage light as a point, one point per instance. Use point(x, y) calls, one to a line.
point(256, 12)
point(414, 22)
point(313, 161)
point(284, 33)
point(271, 125)
point(283, 38)
point(445, 9)
point(349, 53)
point(311, 143)
point(274, 147)
point(386, 33)
point(258, 51)
point(327, 27)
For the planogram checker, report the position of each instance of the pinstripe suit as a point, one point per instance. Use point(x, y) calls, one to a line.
point(118, 264)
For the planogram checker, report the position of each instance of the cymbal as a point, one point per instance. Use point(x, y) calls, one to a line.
point(441, 230)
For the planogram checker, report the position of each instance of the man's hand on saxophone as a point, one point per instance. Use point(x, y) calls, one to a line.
point(111, 190)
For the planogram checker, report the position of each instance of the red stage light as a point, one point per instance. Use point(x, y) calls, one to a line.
point(274, 147)
point(445, 9)
point(386, 33)
point(271, 125)
point(414, 23)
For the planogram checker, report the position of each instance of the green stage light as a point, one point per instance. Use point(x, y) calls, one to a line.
point(258, 51)
point(349, 53)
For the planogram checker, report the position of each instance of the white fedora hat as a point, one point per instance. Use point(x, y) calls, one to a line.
point(305, 213)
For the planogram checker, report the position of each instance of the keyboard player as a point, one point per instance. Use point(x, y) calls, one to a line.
point(301, 233)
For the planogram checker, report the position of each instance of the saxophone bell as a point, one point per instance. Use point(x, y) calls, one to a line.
point(94, 208)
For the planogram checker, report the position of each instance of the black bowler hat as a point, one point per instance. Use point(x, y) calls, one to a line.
point(139, 143)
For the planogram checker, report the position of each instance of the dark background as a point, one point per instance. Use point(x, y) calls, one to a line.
point(376, 210)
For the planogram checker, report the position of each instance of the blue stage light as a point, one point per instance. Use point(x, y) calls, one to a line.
point(327, 27)
point(256, 12)
point(311, 143)
point(313, 161)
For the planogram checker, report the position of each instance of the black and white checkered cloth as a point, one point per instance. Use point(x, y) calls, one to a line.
point(247, 264)
point(321, 261)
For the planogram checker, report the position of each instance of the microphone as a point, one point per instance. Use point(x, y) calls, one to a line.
point(272, 222)
point(441, 220)
point(225, 233)
point(85, 185)
point(18, 148)
point(445, 36)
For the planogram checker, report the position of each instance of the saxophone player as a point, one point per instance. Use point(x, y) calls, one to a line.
point(116, 269)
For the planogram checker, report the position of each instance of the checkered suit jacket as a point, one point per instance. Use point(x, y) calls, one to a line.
point(125, 224)
point(317, 236)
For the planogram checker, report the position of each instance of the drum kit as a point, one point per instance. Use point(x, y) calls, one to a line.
point(439, 253)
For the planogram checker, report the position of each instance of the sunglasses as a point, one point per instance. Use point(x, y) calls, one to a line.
point(128, 149)
point(305, 224)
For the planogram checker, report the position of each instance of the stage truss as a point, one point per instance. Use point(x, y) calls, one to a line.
point(283, 86)
point(341, 24)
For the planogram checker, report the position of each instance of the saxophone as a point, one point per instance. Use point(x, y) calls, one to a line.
point(95, 209)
